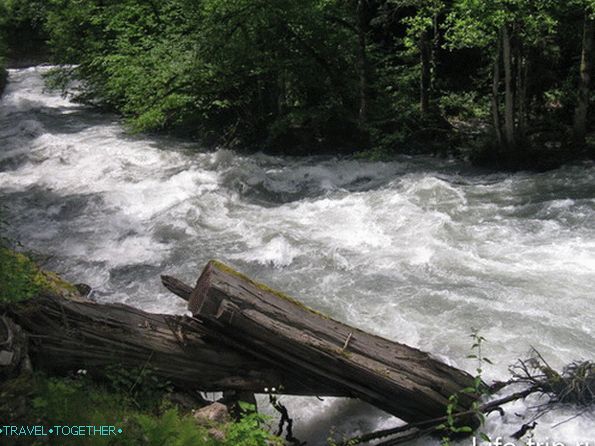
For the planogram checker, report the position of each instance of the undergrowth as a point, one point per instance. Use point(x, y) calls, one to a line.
point(79, 401)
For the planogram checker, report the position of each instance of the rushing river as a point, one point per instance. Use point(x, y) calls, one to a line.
point(418, 250)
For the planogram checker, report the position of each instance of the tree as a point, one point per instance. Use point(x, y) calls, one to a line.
point(586, 67)
point(510, 31)
point(423, 36)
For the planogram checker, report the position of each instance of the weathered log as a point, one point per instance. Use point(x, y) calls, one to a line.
point(14, 358)
point(277, 329)
point(68, 335)
point(177, 287)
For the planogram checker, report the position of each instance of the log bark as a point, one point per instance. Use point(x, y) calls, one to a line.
point(177, 287)
point(14, 357)
point(268, 325)
point(66, 336)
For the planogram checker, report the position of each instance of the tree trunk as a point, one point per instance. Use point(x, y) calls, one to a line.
point(582, 106)
point(252, 318)
point(14, 357)
point(66, 336)
point(522, 79)
point(509, 132)
point(363, 63)
point(244, 337)
point(434, 54)
point(495, 98)
point(425, 47)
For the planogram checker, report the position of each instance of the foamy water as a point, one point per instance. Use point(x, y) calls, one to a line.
point(417, 250)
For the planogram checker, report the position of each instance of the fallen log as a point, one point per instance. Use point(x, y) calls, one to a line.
point(177, 287)
point(243, 337)
point(250, 317)
point(66, 335)
point(14, 357)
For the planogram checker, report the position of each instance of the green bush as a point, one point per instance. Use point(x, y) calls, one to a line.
point(82, 402)
point(20, 278)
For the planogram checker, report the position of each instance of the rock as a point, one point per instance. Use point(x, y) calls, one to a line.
point(217, 434)
point(215, 413)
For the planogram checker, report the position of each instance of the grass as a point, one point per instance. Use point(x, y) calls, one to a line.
point(78, 401)
point(21, 279)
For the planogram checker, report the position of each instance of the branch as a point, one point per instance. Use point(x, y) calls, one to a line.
point(424, 427)
point(177, 287)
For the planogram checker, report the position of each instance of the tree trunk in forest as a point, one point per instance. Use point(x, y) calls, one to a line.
point(522, 79)
point(509, 123)
point(363, 63)
point(495, 94)
point(425, 49)
point(268, 325)
point(434, 54)
point(582, 106)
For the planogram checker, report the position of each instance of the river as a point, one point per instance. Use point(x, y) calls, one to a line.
point(419, 250)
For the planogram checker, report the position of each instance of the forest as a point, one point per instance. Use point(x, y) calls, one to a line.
point(505, 83)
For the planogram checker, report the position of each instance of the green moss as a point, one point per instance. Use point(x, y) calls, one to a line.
point(52, 283)
point(21, 279)
point(228, 269)
point(344, 353)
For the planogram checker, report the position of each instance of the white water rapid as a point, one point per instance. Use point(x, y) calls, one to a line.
point(419, 250)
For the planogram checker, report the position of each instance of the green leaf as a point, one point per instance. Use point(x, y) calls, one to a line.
point(246, 407)
point(485, 437)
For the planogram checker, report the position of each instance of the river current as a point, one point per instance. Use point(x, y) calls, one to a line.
point(419, 250)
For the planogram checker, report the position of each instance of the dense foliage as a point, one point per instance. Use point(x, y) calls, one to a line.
point(22, 29)
point(508, 78)
point(78, 401)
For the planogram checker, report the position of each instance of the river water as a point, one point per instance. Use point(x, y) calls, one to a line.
point(419, 250)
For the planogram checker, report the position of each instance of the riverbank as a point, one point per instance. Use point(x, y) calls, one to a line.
point(443, 138)
point(137, 407)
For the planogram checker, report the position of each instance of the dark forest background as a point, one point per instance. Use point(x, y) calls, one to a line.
point(505, 83)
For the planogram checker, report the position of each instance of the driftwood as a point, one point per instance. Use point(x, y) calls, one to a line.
point(268, 325)
point(242, 337)
point(177, 287)
point(69, 335)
